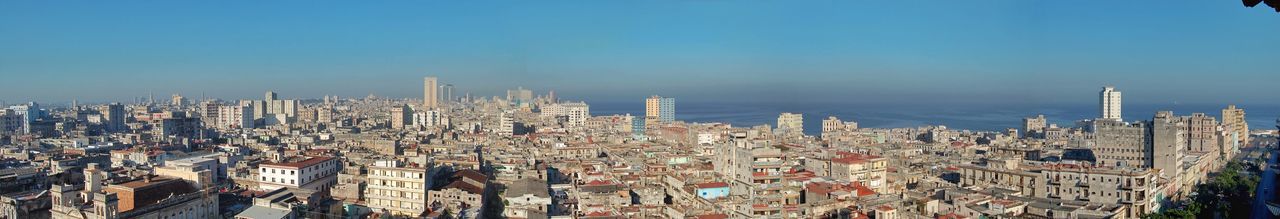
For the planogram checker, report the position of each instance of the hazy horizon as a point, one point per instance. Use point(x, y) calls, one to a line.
point(994, 52)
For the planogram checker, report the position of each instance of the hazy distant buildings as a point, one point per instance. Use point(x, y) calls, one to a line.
point(113, 116)
point(1033, 127)
point(832, 124)
point(1109, 100)
point(177, 100)
point(29, 113)
point(209, 113)
point(659, 110)
point(832, 127)
point(447, 93)
point(576, 114)
point(177, 124)
point(430, 93)
point(520, 96)
point(10, 122)
point(429, 119)
point(791, 123)
point(235, 117)
point(271, 108)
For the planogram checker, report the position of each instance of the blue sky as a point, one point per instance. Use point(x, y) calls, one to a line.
point(1014, 51)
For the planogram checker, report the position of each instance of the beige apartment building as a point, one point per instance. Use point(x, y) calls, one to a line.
point(397, 188)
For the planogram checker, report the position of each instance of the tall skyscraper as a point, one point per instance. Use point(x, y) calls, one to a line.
point(447, 93)
point(659, 110)
point(271, 95)
point(1109, 100)
point(430, 93)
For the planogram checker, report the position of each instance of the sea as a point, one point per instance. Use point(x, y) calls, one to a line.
point(977, 117)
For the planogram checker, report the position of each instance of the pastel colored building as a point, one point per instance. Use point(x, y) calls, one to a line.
point(712, 190)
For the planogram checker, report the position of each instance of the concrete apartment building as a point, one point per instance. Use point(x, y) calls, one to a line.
point(1034, 127)
point(1168, 143)
point(869, 170)
point(1135, 188)
point(791, 124)
point(1235, 127)
point(1118, 143)
point(401, 116)
point(659, 110)
point(575, 114)
point(317, 174)
point(430, 93)
point(1109, 103)
point(397, 188)
point(755, 168)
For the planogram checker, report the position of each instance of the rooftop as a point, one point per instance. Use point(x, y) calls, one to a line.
point(299, 164)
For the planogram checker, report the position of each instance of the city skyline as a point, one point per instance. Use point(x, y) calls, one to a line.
point(639, 109)
point(852, 52)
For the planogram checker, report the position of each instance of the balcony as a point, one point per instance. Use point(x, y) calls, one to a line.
point(766, 164)
point(766, 175)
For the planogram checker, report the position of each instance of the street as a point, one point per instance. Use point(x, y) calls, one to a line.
point(1265, 191)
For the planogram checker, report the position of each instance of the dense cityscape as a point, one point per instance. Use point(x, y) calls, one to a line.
point(533, 155)
point(675, 109)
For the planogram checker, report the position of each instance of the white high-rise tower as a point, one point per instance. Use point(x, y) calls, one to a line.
point(1109, 100)
point(430, 94)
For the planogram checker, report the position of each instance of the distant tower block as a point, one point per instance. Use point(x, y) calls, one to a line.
point(1109, 100)
point(430, 93)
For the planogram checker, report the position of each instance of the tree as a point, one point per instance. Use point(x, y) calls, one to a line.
point(1228, 195)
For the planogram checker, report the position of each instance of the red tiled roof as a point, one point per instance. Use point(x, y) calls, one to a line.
point(599, 182)
point(863, 190)
point(712, 185)
point(599, 214)
point(713, 216)
point(472, 174)
point(465, 187)
point(852, 158)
